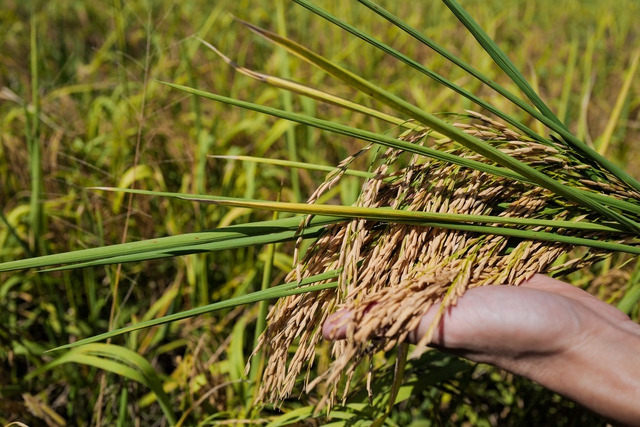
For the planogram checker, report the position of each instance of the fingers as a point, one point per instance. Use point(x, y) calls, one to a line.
point(335, 327)
point(480, 304)
point(455, 328)
point(548, 284)
point(423, 327)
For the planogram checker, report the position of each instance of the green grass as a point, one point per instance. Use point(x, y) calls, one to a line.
point(81, 106)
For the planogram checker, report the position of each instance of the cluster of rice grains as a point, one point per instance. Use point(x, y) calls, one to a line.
point(392, 273)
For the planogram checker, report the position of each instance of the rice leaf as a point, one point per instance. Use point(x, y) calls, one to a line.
point(299, 165)
point(126, 363)
point(349, 211)
point(361, 134)
point(293, 416)
point(530, 174)
point(510, 69)
point(397, 216)
point(449, 56)
point(280, 291)
point(168, 246)
point(402, 216)
point(614, 118)
point(419, 67)
point(314, 93)
point(500, 58)
point(309, 232)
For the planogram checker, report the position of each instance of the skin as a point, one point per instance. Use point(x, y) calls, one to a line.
point(550, 332)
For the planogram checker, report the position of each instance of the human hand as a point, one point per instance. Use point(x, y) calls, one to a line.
point(549, 331)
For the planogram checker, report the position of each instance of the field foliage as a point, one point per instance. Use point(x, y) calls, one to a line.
point(81, 106)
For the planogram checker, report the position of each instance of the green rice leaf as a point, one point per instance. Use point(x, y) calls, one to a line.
point(403, 216)
point(310, 232)
point(293, 416)
point(280, 291)
point(326, 220)
point(258, 233)
point(481, 147)
point(614, 118)
point(361, 134)
point(120, 361)
point(170, 246)
point(419, 67)
point(510, 69)
point(500, 58)
point(298, 165)
point(448, 55)
point(314, 93)
point(609, 201)
point(399, 216)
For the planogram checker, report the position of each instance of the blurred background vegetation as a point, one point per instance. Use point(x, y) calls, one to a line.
point(80, 107)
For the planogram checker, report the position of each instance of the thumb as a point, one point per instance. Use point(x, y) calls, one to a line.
point(335, 327)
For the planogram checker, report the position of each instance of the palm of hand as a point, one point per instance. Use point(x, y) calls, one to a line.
point(549, 331)
point(507, 325)
point(544, 316)
point(553, 333)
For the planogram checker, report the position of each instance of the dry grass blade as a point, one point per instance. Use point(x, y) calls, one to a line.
point(393, 273)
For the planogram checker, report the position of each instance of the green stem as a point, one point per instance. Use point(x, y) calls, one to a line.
point(35, 161)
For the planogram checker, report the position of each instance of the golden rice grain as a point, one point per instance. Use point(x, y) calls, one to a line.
point(392, 273)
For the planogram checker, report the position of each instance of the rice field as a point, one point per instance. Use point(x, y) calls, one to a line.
point(82, 106)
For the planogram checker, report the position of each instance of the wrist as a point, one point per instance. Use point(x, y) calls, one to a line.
point(599, 369)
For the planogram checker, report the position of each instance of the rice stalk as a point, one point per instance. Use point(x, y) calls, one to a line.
point(392, 273)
